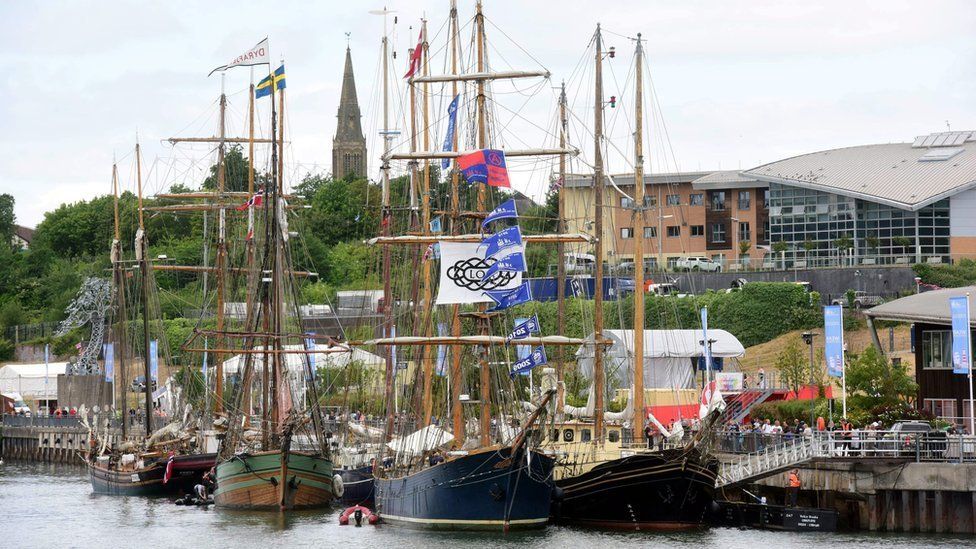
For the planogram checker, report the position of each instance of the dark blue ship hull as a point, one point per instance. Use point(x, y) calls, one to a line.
point(357, 486)
point(488, 490)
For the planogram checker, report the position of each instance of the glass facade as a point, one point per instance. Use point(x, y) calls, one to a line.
point(820, 226)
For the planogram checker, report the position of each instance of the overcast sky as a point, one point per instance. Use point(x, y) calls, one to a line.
point(739, 83)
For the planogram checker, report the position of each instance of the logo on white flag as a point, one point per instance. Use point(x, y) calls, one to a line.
point(463, 266)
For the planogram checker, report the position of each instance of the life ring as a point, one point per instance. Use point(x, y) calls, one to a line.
point(568, 435)
point(371, 517)
point(338, 488)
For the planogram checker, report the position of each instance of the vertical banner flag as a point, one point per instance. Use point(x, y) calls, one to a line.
point(451, 125)
point(441, 368)
point(502, 240)
point(536, 358)
point(834, 340)
point(961, 345)
point(521, 351)
point(109, 352)
point(707, 352)
point(258, 55)
point(486, 166)
point(153, 360)
point(462, 278)
point(203, 368)
point(310, 346)
point(47, 361)
point(506, 210)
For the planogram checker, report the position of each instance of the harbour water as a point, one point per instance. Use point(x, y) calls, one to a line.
point(45, 505)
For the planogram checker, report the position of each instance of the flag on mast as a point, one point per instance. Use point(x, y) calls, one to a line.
point(258, 55)
point(415, 56)
point(264, 86)
point(485, 166)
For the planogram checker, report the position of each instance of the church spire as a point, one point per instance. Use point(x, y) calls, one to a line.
point(349, 145)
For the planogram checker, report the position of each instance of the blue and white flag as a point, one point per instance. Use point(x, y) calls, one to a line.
point(109, 352)
point(204, 367)
point(513, 263)
point(524, 327)
point(502, 240)
point(509, 298)
point(536, 358)
point(435, 225)
point(834, 340)
point(707, 352)
point(310, 346)
point(154, 359)
point(506, 210)
point(451, 125)
point(441, 367)
point(961, 345)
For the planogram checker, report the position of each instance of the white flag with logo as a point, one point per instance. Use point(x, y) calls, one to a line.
point(258, 55)
point(463, 266)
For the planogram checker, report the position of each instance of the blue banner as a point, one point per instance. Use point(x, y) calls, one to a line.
point(521, 351)
point(435, 225)
point(506, 210)
point(203, 368)
point(536, 358)
point(718, 364)
point(503, 239)
point(834, 340)
point(108, 351)
point(441, 368)
point(525, 327)
point(451, 125)
point(961, 344)
point(509, 298)
point(154, 360)
point(707, 352)
point(310, 346)
point(514, 262)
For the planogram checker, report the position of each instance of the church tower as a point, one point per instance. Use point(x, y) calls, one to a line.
point(349, 145)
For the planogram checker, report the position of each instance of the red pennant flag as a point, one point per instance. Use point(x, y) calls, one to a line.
point(415, 58)
point(255, 200)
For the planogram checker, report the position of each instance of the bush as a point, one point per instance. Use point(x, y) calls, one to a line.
point(7, 349)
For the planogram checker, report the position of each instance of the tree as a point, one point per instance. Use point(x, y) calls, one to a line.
point(342, 209)
point(809, 245)
point(7, 219)
point(235, 173)
point(874, 381)
point(792, 366)
point(779, 246)
point(902, 242)
point(744, 247)
point(844, 242)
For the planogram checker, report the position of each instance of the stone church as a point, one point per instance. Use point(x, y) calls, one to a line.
point(349, 144)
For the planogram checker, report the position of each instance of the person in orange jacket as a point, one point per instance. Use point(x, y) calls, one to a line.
point(793, 486)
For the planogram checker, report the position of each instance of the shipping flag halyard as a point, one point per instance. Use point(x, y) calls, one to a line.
point(510, 298)
point(258, 55)
point(451, 125)
point(486, 166)
point(264, 86)
point(524, 329)
point(962, 352)
point(537, 358)
point(502, 240)
point(506, 210)
point(834, 340)
point(415, 56)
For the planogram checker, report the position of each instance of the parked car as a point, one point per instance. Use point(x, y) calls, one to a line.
point(907, 435)
point(139, 384)
point(862, 300)
point(698, 263)
point(663, 289)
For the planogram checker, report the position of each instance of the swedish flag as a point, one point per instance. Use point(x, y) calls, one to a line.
point(264, 86)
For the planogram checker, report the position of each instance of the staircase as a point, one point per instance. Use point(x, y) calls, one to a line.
point(738, 406)
point(771, 460)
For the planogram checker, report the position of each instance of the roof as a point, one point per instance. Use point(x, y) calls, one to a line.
point(931, 307)
point(903, 175)
point(24, 233)
point(728, 179)
point(673, 343)
point(32, 370)
point(627, 179)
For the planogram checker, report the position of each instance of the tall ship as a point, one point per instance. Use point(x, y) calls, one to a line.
point(463, 424)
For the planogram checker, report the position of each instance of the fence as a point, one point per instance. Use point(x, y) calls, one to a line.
point(30, 332)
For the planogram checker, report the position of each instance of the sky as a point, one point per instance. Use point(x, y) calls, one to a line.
point(737, 83)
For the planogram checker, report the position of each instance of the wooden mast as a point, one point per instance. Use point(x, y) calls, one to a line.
point(142, 253)
point(119, 276)
point(598, 187)
point(457, 414)
point(561, 255)
point(221, 260)
point(385, 226)
point(428, 309)
point(638, 388)
point(485, 368)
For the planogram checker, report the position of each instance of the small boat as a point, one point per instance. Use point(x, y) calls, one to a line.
point(357, 485)
point(157, 476)
point(358, 513)
point(253, 481)
point(776, 517)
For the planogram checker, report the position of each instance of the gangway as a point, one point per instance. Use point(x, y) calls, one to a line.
point(771, 460)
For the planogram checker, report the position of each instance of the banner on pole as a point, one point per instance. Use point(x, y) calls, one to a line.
point(153, 360)
point(834, 340)
point(109, 353)
point(961, 344)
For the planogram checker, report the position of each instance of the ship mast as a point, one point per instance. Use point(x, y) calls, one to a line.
point(119, 275)
point(561, 253)
point(485, 368)
point(457, 415)
point(428, 308)
point(638, 388)
point(142, 255)
point(599, 189)
point(221, 260)
point(386, 228)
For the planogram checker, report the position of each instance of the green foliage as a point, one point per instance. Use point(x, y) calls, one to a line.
point(809, 245)
point(235, 173)
point(342, 209)
point(6, 349)
point(779, 246)
point(12, 314)
point(849, 295)
point(793, 368)
point(874, 381)
point(744, 247)
point(961, 273)
point(7, 219)
point(352, 265)
point(844, 242)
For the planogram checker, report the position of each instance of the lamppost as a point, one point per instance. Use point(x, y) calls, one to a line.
point(808, 339)
point(918, 284)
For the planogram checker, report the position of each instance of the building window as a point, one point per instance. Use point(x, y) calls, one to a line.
point(765, 202)
point(585, 435)
point(613, 436)
point(940, 407)
point(674, 200)
point(650, 200)
point(718, 232)
point(744, 233)
point(744, 200)
point(697, 230)
point(674, 231)
point(627, 232)
point(673, 263)
point(718, 200)
point(937, 350)
point(696, 199)
point(627, 202)
point(650, 232)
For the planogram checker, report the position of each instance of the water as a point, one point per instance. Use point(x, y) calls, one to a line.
point(43, 505)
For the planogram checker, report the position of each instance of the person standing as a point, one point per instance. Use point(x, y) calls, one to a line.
point(793, 486)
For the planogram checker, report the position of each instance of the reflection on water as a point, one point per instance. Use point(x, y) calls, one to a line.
point(45, 505)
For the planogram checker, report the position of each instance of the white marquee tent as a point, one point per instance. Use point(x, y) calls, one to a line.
point(29, 380)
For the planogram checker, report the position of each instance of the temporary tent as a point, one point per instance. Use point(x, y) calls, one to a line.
point(325, 357)
point(32, 381)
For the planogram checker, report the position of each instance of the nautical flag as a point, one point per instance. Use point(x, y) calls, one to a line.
point(109, 350)
point(707, 352)
point(514, 262)
point(310, 346)
point(264, 86)
point(525, 328)
point(556, 184)
point(504, 211)
point(509, 298)
point(415, 57)
point(521, 351)
point(254, 201)
point(451, 124)
point(711, 399)
point(462, 267)
point(486, 166)
point(502, 240)
point(435, 225)
point(432, 251)
point(537, 358)
point(153, 360)
point(441, 368)
point(258, 55)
